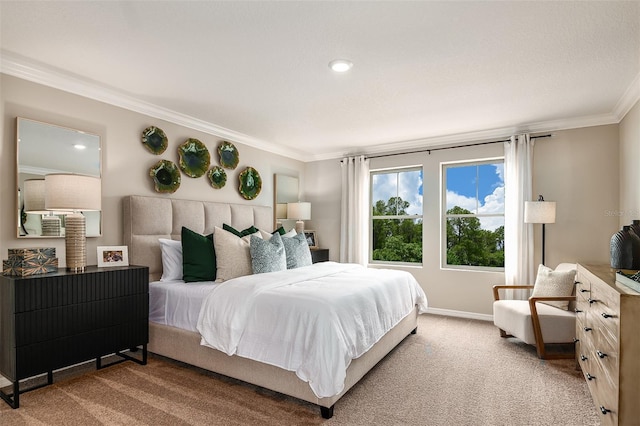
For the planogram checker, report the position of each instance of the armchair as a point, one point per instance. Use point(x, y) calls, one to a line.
point(536, 323)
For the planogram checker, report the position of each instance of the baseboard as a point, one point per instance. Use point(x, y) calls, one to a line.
point(460, 314)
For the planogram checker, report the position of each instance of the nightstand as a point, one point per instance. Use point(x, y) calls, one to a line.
point(50, 321)
point(319, 255)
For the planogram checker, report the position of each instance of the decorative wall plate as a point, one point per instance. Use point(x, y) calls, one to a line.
point(250, 183)
point(194, 158)
point(166, 176)
point(154, 139)
point(217, 176)
point(229, 155)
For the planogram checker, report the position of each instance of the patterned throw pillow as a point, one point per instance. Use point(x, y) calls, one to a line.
point(297, 251)
point(267, 255)
point(550, 283)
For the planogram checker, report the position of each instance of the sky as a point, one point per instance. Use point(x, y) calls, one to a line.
point(462, 183)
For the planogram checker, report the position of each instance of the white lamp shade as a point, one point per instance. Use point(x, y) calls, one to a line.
point(540, 212)
point(299, 211)
point(69, 192)
point(281, 210)
point(34, 196)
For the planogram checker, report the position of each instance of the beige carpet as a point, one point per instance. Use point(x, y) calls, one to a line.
point(453, 372)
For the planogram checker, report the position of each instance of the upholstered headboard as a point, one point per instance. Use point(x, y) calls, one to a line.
point(145, 219)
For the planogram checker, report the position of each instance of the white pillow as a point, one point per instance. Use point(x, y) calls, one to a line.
point(232, 254)
point(171, 259)
point(292, 233)
point(550, 283)
point(267, 235)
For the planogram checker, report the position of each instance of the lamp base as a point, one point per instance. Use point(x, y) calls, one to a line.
point(299, 227)
point(76, 242)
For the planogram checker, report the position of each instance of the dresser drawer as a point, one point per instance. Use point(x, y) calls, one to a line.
point(603, 391)
point(583, 289)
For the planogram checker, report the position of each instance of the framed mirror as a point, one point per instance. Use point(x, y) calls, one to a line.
point(286, 191)
point(44, 148)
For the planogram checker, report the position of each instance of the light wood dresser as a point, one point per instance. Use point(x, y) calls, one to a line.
point(608, 343)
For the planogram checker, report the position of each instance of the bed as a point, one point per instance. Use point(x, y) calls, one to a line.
point(148, 219)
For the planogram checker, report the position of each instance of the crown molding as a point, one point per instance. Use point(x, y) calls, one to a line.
point(20, 67)
point(630, 97)
point(48, 76)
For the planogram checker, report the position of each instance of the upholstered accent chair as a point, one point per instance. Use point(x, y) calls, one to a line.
point(538, 321)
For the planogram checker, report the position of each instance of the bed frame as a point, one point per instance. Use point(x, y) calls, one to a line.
point(148, 218)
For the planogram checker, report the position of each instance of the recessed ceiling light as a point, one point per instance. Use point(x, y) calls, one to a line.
point(340, 65)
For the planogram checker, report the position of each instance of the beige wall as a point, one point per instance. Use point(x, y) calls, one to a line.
point(125, 160)
point(575, 168)
point(630, 166)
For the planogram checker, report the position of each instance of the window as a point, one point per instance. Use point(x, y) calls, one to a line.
point(474, 214)
point(396, 215)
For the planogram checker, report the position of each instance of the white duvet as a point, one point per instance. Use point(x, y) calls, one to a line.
point(312, 320)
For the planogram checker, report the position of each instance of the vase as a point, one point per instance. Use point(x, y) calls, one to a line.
point(622, 243)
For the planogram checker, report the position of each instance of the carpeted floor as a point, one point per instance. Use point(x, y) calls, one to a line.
point(453, 372)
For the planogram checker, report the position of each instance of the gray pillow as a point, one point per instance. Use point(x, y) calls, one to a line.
point(297, 251)
point(267, 255)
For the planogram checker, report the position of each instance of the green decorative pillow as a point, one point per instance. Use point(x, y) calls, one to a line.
point(550, 283)
point(250, 230)
point(267, 255)
point(297, 251)
point(198, 257)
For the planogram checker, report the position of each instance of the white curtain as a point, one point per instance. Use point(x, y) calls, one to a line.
point(354, 229)
point(518, 236)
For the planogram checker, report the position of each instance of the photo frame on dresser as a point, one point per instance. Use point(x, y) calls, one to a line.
point(312, 238)
point(113, 256)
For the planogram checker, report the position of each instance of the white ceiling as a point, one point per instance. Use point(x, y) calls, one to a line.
point(425, 73)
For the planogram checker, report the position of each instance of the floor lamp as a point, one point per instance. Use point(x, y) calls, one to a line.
point(540, 211)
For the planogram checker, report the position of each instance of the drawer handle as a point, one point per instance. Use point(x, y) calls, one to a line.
point(601, 354)
point(584, 290)
point(590, 377)
point(605, 315)
point(576, 340)
point(577, 282)
point(590, 300)
point(604, 410)
point(577, 311)
point(583, 358)
point(587, 329)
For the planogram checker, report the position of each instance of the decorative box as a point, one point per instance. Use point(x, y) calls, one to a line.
point(30, 261)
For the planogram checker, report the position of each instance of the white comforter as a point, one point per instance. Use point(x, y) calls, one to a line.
point(312, 320)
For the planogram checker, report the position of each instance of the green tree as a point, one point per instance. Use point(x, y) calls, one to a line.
point(394, 239)
point(469, 244)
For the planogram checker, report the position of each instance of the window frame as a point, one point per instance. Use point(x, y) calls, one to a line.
point(444, 216)
point(399, 169)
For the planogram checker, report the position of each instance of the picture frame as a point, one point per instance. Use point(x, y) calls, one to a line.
point(113, 256)
point(312, 238)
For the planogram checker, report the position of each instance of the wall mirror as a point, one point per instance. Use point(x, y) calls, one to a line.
point(44, 148)
point(286, 191)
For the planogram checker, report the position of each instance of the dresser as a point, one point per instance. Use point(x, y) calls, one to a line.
point(608, 343)
point(55, 320)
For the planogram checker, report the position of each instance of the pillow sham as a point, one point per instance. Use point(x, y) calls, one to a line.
point(297, 251)
point(267, 255)
point(232, 254)
point(250, 230)
point(267, 235)
point(550, 283)
point(198, 257)
point(171, 259)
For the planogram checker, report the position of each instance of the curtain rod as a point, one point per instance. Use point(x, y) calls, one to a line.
point(429, 150)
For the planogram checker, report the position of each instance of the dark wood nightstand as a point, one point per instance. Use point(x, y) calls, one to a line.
point(319, 255)
point(50, 321)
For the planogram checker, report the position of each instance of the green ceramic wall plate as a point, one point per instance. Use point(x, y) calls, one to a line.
point(154, 139)
point(217, 176)
point(166, 176)
point(194, 158)
point(250, 183)
point(229, 155)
